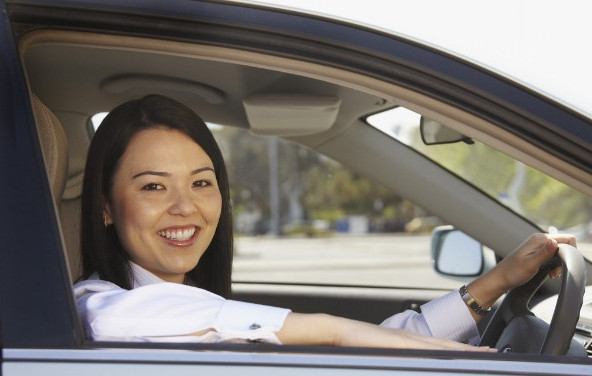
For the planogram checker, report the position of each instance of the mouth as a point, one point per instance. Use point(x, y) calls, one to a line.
point(178, 234)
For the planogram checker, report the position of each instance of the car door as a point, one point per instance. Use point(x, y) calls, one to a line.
point(40, 327)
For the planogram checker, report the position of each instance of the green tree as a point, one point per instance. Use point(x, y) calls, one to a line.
point(312, 186)
point(540, 198)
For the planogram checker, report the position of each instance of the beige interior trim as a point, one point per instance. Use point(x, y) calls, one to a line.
point(465, 123)
point(297, 115)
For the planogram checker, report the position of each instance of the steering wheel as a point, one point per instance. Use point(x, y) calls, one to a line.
point(514, 328)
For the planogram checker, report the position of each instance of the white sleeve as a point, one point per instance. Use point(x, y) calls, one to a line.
point(445, 317)
point(170, 312)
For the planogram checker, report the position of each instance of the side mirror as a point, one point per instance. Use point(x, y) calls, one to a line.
point(454, 253)
point(434, 133)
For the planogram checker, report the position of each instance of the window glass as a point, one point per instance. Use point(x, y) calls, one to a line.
point(552, 205)
point(97, 119)
point(301, 217)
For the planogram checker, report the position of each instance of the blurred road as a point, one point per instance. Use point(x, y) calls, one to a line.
point(364, 260)
point(391, 260)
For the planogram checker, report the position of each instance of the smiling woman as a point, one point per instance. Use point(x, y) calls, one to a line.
point(162, 196)
point(160, 273)
point(163, 165)
point(165, 211)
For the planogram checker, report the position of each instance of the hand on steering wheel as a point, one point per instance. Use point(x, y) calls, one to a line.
point(514, 328)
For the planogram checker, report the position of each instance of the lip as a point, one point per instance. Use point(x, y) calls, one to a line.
point(177, 235)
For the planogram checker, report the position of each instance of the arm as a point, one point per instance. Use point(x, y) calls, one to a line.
point(321, 329)
point(513, 271)
point(169, 312)
point(516, 269)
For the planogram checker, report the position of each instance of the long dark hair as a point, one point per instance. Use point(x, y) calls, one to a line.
point(101, 249)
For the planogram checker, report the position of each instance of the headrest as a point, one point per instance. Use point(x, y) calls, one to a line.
point(54, 145)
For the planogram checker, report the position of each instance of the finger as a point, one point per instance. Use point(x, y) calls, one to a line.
point(556, 272)
point(552, 246)
point(564, 238)
point(545, 247)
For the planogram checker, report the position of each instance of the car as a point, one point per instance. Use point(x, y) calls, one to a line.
point(359, 161)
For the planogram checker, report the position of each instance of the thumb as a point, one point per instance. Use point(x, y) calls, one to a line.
point(552, 246)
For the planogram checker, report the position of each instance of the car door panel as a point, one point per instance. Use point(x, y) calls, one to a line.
point(366, 304)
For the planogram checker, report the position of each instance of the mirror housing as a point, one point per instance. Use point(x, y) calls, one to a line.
point(434, 133)
point(454, 253)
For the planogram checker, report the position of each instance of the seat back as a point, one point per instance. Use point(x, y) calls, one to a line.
point(54, 145)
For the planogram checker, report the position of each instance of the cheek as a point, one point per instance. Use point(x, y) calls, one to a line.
point(213, 208)
point(132, 214)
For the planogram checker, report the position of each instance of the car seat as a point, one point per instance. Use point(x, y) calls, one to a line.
point(54, 145)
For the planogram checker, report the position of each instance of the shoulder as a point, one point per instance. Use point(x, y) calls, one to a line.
point(90, 286)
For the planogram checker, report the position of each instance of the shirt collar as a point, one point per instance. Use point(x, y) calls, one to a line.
point(142, 277)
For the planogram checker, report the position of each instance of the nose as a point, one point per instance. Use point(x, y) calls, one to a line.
point(183, 203)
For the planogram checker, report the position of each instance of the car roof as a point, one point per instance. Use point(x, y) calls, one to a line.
point(540, 44)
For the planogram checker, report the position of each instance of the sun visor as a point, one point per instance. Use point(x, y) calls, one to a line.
point(291, 115)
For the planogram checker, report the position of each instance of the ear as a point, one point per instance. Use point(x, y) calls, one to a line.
point(107, 213)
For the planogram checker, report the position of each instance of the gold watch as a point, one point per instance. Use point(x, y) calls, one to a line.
point(471, 302)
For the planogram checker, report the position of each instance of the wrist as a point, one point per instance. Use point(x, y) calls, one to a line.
point(489, 287)
point(473, 303)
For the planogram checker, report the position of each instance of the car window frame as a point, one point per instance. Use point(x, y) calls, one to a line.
point(66, 332)
point(36, 305)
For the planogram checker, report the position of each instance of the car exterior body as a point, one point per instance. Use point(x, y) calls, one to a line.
point(83, 57)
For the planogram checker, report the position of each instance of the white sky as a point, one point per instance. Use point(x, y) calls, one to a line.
point(546, 44)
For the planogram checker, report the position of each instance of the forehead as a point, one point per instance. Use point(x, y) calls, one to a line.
point(161, 145)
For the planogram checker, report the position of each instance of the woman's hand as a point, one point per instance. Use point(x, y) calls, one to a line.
point(517, 268)
point(520, 266)
point(322, 329)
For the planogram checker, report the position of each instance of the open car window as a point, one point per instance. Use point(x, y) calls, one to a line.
point(301, 217)
point(543, 200)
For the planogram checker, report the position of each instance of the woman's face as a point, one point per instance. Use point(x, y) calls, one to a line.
point(164, 202)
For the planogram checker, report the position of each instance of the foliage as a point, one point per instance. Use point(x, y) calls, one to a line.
point(313, 187)
point(539, 197)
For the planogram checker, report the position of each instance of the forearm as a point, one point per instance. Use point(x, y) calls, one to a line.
point(308, 329)
point(322, 329)
point(516, 269)
point(486, 290)
point(326, 330)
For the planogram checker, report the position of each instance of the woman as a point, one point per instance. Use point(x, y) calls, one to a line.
point(157, 250)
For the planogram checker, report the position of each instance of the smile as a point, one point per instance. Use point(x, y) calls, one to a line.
point(178, 234)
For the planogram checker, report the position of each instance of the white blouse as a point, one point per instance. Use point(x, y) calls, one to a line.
point(159, 311)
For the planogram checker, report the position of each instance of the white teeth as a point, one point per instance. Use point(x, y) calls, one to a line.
point(178, 234)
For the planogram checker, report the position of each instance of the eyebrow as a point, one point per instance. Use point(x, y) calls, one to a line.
point(168, 174)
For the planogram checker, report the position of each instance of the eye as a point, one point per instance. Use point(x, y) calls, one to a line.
point(152, 187)
point(201, 183)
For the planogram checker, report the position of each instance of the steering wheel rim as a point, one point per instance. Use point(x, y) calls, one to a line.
point(567, 309)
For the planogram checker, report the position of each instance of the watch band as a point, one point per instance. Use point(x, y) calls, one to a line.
point(471, 302)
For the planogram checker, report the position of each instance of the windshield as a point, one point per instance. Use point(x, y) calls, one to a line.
point(541, 44)
point(550, 204)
